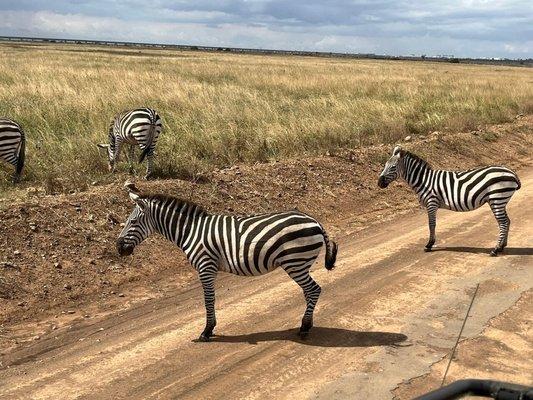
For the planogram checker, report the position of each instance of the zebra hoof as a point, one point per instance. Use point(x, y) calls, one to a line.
point(494, 253)
point(204, 338)
point(148, 177)
point(303, 334)
point(427, 249)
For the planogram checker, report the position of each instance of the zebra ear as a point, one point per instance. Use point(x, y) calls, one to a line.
point(135, 194)
point(130, 187)
point(397, 149)
point(103, 145)
point(135, 197)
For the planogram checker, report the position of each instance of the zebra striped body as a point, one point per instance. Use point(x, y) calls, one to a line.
point(12, 145)
point(247, 246)
point(252, 246)
point(140, 127)
point(466, 190)
point(454, 190)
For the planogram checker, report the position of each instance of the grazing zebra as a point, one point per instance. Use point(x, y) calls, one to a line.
point(248, 246)
point(12, 145)
point(140, 127)
point(454, 190)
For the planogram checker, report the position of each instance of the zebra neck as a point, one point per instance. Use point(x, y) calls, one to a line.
point(181, 224)
point(417, 174)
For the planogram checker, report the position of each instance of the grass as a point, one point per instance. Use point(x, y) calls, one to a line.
point(222, 109)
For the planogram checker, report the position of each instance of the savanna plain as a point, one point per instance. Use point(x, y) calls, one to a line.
point(247, 134)
point(220, 109)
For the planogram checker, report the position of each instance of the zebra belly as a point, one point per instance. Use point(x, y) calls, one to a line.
point(130, 140)
point(454, 208)
point(253, 270)
point(459, 204)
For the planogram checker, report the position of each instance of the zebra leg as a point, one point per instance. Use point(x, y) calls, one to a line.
point(15, 178)
point(504, 244)
point(500, 213)
point(207, 277)
point(432, 221)
point(116, 156)
point(311, 291)
point(131, 154)
point(149, 164)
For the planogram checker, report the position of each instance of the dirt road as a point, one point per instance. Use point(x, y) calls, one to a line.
point(387, 313)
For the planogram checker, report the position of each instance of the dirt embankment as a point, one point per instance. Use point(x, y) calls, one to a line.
point(57, 253)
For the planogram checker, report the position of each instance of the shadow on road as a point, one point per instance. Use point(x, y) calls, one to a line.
point(509, 251)
point(319, 336)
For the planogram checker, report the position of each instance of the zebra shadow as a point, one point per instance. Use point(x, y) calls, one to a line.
point(320, 337)
point(509, 251)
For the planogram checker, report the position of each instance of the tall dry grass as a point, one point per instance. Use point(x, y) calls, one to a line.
point(220, 109)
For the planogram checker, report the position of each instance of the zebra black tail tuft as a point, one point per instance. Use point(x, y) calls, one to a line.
point(331, 251)
point(331, 256)
point(519, 183)
point(21, 156)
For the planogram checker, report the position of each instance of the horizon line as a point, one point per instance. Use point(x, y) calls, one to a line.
point(413, 57)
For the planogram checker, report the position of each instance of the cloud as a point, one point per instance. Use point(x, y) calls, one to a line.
point(476, 28)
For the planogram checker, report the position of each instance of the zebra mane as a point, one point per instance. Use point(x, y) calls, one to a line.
point(418, 159)
point(177, 201)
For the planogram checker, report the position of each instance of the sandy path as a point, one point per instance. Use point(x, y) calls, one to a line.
point(387, 313)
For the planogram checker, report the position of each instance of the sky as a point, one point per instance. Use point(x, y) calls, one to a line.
point(463, 28)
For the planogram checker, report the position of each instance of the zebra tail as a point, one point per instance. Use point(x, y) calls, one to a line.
point(148, 142)
point(331, 251)
point(518, 182)
point(21, 156)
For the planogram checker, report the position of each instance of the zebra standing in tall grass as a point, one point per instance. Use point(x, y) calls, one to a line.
point(454, 190)
point(12, 145)
point(247, 246)
point(140, 127)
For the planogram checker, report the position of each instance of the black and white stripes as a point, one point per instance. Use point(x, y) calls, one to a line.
point(246, 246)
point(454, 190)
point(140, 127)
point(12, 145)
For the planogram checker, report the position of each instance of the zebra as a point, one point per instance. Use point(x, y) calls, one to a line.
point(454, 190)
point(246, 246)
point(141, 127)
point(12, 146)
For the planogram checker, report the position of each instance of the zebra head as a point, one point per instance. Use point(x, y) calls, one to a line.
point(139, 224)
point(109, 151)
point(391, 171)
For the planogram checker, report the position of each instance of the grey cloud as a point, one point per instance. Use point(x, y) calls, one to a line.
point(468, 27)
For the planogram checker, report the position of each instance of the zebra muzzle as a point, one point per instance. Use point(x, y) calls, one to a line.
point(382, 183)
point(123, 248)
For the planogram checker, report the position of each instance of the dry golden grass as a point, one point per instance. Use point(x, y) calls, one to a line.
point(219, 109)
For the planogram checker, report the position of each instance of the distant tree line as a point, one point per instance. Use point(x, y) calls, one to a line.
point(442, 58)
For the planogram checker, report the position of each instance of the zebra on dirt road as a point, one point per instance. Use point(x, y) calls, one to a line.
point(454, 190)
point(248, 246)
